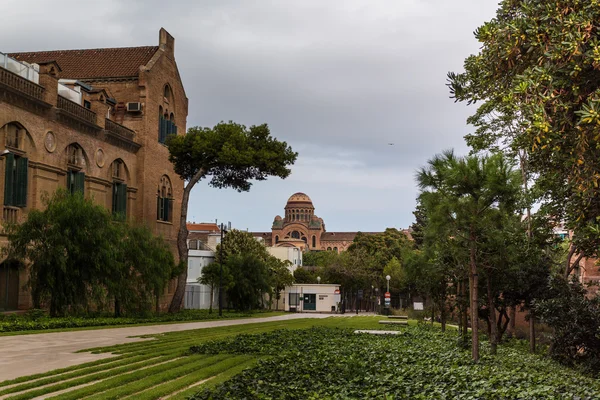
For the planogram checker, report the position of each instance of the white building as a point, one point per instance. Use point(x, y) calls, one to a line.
point(291, 254)
point(315, 298)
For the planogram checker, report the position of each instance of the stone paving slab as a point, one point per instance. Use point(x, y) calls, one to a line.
point(24, 355)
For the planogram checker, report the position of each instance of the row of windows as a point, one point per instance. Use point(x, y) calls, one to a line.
point(296, 235)
point(298, 215)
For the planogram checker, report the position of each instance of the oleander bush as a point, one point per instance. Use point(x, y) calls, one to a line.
point(419, 363)
point(39, 321)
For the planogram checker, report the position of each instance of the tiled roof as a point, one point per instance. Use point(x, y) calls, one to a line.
point(119, 62)
point(203, 227)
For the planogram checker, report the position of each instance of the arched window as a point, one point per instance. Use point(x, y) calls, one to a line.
point(14, 134)
point(119, 197)
point(329, 249)
point(276, 239)
point(75, 165)
point(167, 92)
point(16, 170)
point(305, 239)
point(295, 235)
point(164, 200)
point(335, 249)
point(314, 241)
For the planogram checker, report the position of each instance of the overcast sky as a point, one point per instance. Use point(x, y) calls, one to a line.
point(338, 80)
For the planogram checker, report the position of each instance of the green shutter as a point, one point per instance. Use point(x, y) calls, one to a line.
point(9, 179)
point(174, 129)
point(160, 125)
point(166, 206)
point(80, 182)
point(115, 202)
point(169, 210)
point(158, 203)
point(70, 181)
point(21, 186)
point(163, 131)
point(123, 199)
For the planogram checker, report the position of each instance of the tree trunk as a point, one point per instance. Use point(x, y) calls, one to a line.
point(212, 293)
point(157, 304)
point(474, 301)
point(182, 247)
point(502, 326)
point(443, 317)
point(569, 257)
point(531, 332)
point(492, 319)
point(511, 323)
point(117, 308)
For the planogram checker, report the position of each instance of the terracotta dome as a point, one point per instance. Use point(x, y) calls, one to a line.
point(299, 198)
point(278, 218)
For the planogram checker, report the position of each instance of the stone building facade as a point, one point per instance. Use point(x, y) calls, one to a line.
point(93, 121)
point(301, 227)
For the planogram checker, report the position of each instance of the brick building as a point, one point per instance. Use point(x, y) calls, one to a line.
point(94, 121)
point(300, 227)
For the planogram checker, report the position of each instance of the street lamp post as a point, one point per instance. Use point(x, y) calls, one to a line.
point(387, 278)
point(221, 272)
point(319, 280)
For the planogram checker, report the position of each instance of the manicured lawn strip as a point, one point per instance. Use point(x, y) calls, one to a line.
point(45, 326)
point(62, 370)
point(193, 377)
point(116, 380)
point(92, 377)
point(222, 377)
point(77, 373)
point(165, 376)
point(183, 338)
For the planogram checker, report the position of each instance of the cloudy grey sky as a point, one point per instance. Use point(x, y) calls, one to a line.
point(338, 80)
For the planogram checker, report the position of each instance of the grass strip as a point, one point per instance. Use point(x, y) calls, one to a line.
point(60, 371)
point(218, 379)
point(75, 374)
point(116, 380)
point(90, 378)
point(156, 379)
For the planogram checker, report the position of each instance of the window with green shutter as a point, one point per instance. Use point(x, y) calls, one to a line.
point(15, 180)
point(9, 179)
point(164, 200)
point(76, 182)
point(119, 206)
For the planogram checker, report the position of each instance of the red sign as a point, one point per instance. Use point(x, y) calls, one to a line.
point(387, 295)
point(337, 291)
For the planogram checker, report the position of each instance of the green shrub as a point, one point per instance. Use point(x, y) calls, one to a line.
point(421, 363)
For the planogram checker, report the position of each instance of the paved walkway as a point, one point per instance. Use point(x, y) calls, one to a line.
point(31, 354)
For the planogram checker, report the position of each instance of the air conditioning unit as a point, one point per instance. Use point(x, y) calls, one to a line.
point(134, 107)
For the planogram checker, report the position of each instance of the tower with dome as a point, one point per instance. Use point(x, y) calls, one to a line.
point(301, 227)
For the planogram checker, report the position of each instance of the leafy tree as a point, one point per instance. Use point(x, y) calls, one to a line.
point(573, 317)
point(237, 242)
point(535, 80)
point(303, 275)
point(231, 155)
point(250, 277)
point(460, 195)
point(79, 256)
point(146, 266)
point(418, 227)
point(319, 258)
point(280, 276)
point(211, 276)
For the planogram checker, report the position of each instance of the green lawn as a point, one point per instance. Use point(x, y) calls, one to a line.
point(303, 359)
point(11, 325)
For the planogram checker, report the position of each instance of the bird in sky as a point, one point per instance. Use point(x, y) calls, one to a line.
point(390, 144)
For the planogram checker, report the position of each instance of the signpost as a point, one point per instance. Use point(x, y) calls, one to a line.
point(388, 298)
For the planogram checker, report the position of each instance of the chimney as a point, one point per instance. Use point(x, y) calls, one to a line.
point(167, 43)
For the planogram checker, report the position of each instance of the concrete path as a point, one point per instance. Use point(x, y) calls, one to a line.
point(24, 355)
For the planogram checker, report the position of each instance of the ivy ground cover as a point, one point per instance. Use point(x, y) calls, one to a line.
point(161, 367)
point(420, 363)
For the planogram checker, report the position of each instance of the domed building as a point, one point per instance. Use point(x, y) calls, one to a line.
point(300, 227)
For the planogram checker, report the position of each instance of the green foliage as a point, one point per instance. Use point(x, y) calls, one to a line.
point(238, 242)
point(420, 363)
point(18, 323)
point(535, 80)
point(231, 154)
point(302, 275)
point(250, 278)
point(78, 256)
point(319, 258)
point(573, 318)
